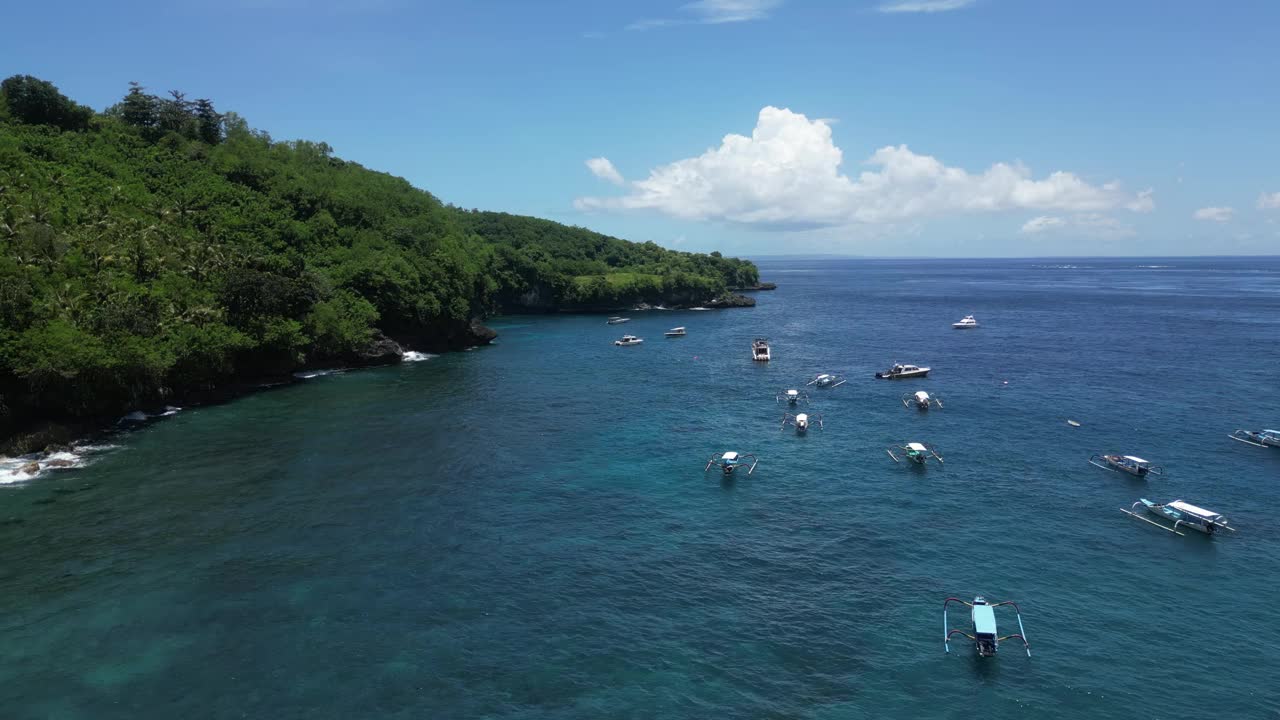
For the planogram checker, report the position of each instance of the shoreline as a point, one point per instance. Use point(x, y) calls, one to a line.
point(50, 445)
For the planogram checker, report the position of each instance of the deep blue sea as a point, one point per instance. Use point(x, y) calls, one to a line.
point(526, 531)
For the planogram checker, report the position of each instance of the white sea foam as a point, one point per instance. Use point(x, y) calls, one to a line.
point(415, 356)
point(29, 467)
point(136, 416)
point(309, 374)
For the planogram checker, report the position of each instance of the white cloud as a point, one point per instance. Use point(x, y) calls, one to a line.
point(1269, 201)
point(712, 12)
point(1216, 214)
point(1143, 203)
point(1042, 223)
point(1083, 224)
point(787, 174)
point(603, 169)
point(923, 6)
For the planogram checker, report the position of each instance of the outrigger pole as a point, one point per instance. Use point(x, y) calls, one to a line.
point(1173, 529)
point(946, 631)
point(1022, 632)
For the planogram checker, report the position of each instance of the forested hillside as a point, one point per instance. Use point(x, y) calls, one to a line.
point(162, 248)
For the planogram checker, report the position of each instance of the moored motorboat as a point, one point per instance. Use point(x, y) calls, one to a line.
point(628, 340)
point(760, 350)
point(967, 323)
point(902, 372)
point(676, 332)
point(1131, 464)
point(617, 320)
point(1181, 514)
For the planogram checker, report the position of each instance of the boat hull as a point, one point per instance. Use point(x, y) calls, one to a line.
point(1181, 521)
point(902, 376)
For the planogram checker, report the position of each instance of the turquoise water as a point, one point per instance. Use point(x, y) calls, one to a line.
point(526, 531)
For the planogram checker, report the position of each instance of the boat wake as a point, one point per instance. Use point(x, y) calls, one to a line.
point(137, 416)
point(415, 356)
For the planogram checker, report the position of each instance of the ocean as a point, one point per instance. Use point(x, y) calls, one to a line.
point(526, 530)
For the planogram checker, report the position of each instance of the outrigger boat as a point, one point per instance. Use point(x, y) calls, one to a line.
point(902, 372)
point(675, 332)
point(628, 340)
point(1261, 438)
point(984, 637)
point(792, 397)
point(1183, 514)
point(967, 323)
point(1135, 466)
point(800, 421)
point(826, 380)
point(617, 320)
point(921, 399)
point(760, 349)
point(916, 452)
point(731, 461)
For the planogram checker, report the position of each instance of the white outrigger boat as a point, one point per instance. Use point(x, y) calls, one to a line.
point(916, 452)
point(1261, 438)
point(792, 397)
point(983, 616)
point(676, 332)
point(760, 350)
point(731, 461)
point(1133, 465)
point(1182, 514)
point(968, 323)
point(628, 340)
point(617, 320)
point(902, 372)
point(921, 399)
point(827, 380)
point(800, 421)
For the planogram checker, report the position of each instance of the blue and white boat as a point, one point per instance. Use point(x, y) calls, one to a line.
point(1261, 438)
point(1182, 515)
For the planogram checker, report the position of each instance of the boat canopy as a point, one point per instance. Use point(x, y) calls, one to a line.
point(677, 329)
point(802, 418)
point(1136, 459)
point(922, 395)
point(730, 456)
point(793, 392)
point(984, 620)
point(1190, 509)
point(917, 447)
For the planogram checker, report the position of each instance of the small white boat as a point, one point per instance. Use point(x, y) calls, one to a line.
point(967, 323)
point(1182, 514)
point(801, 422)
point(760, 350)
point(921, 399)
point(792, 397)
point(1131, 464)
point(827, 380)
point(628, 340)
point(675, 332)
point(617, 320)
point(902, 372)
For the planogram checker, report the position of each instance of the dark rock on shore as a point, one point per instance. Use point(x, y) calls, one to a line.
point(732, 301)
point(759, 286)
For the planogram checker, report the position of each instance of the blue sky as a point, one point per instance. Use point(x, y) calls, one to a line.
point(945, 128)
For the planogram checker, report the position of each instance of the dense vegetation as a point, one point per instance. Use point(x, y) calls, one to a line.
point(162, 247)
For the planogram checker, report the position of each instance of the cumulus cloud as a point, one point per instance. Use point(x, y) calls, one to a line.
point(787, 175)
point(1042, 223)
point(1269, 201)
point(712, 12)
point(603, 169)
point(1216, 214)
point(923, 6)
